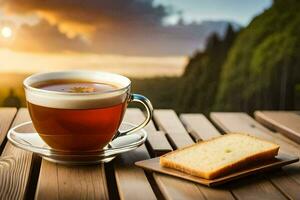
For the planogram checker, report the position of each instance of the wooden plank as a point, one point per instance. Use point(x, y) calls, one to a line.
point(258, 187)
point(14, 182)
point(131, 181)
point(136, 116)
point(71, 182)
point(288, 179)
point(174, 188)
point(244, 123)
point(158, 143)
point(255, 187)
point(6, 164)
point(199, 126)
point(6, 117)
point(168, 121)
point(130, 178)
point(287, 123)
point(157, 140)
point(241, 122)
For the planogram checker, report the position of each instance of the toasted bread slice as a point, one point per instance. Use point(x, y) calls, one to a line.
point(219, 156)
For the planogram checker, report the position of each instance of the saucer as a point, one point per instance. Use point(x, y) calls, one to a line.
point(25, 137)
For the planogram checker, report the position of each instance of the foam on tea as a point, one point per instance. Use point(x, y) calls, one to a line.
point(83, 94)
point(75, 114)
point(75, 86)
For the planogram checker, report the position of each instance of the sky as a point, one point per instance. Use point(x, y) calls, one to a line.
point(133, 37)
point(232, 10)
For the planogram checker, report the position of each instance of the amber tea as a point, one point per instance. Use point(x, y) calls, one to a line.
point(80, 110)
point(82, 127)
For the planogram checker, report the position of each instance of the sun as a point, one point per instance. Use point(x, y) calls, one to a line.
point(6, 32)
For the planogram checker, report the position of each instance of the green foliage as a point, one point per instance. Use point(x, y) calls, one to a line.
point(160, 91)
point(195, 91)
point(263, 65)
point(200, 81)
point(257, 68)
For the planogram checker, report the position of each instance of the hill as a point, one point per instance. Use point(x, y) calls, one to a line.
point(257, 68)
point(263, 66)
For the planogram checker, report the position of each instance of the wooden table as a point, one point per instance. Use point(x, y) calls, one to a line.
point(24, 175)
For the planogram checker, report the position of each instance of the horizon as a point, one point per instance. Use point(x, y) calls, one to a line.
point(157, 37)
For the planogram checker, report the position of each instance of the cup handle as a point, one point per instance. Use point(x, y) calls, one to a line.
point(149, 109)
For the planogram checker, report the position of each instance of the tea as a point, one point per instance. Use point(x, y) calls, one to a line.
point(80, 110)
point(86, 121)
point(74, 86)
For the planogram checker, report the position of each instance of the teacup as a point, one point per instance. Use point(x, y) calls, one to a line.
point(80, 110)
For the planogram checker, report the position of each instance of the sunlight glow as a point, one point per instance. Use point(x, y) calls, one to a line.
point(6, 32)
point(138, 67)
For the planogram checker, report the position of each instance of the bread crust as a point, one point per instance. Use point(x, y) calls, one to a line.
point(264, 155)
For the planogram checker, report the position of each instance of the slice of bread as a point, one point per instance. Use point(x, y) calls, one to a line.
point(219, 156)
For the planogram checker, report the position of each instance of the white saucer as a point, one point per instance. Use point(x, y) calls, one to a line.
point(25, 137)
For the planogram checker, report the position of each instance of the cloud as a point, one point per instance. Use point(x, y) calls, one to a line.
point(128, 27)
point(81, 17)
point(179, 39)
point(43, 37)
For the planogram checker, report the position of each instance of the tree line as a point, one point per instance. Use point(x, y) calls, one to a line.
point(257, 67)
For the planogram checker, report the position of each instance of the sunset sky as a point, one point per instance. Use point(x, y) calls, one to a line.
point(132, 37)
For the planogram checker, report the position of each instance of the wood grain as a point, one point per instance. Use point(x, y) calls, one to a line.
point(168, 122)
point(258, 185)
point(174, 188)
point(157, 140)
point(131, 181)
point(71, 182)
point(158, 143)
point(199, 126)
point(6, 117)
point(14, 180)
point(170, 187)
point(287, 123)
point(281, 160)
point(137, 116)
point(177, 189)
point(288, 179)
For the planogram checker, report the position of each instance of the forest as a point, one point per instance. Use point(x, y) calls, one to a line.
point(257, 67)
